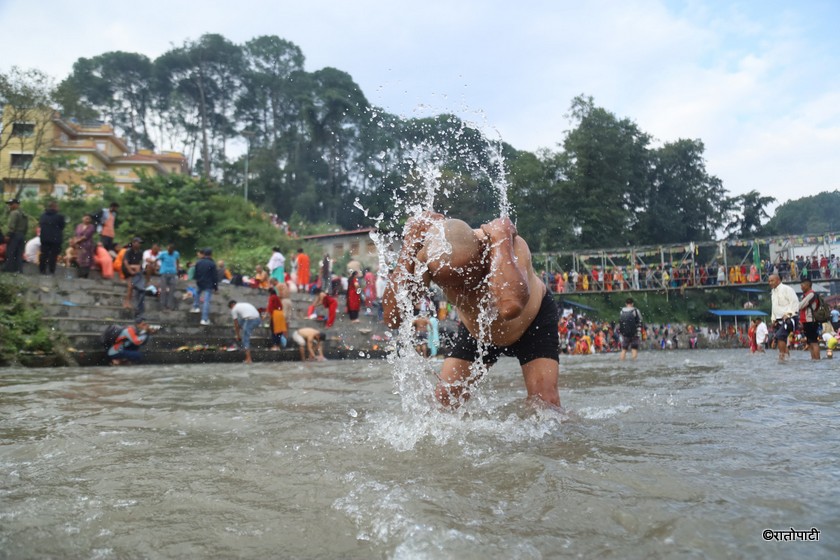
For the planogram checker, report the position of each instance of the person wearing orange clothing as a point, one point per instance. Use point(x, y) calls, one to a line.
point(302, 260)
point(118, 260)
point(275, 313)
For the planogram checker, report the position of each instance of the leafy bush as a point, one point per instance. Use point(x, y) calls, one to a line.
point(21, 328)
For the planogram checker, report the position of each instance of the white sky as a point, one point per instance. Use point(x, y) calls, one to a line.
point(757, 81)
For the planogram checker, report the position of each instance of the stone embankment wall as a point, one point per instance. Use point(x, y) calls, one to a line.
point(82, 308)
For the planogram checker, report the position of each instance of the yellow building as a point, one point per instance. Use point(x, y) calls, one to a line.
point(43, 154)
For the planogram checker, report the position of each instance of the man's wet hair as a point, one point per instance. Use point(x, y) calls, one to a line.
point(628, 301)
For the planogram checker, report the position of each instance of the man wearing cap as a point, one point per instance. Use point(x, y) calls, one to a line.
point(246, 318)
point(127, 346)
point(16, 227)
point(207, 281)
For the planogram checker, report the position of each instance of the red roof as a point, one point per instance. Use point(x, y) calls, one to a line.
point(339, 234)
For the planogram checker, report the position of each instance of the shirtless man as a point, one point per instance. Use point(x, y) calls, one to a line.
point(310, 342)
point(473, 266)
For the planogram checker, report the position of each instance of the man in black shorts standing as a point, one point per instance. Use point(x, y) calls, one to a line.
point(810, 326)
point(483, 272)
point(630, 327)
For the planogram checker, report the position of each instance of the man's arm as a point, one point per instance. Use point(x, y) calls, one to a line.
point(508, 279)
point(807, 301)
point(792, 303)
point(403, 279)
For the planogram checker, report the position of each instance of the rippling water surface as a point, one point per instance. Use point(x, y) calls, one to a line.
point(677, 455)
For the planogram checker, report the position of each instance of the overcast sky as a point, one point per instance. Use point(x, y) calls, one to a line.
point(758, 82)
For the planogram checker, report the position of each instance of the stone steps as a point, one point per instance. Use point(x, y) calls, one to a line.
point(82, 308)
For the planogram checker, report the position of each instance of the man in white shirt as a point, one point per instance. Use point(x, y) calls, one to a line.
point(32, 249)
point(760, 334)
point(276, 265)
point(785, 312)
point(246, 318)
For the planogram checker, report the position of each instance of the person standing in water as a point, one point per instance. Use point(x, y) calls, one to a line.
point(785, 310)
point(630, 327)
point(474, 267)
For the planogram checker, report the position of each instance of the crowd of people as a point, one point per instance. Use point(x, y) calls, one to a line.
point(157, 272)
point(639, 277)
point(153, 271)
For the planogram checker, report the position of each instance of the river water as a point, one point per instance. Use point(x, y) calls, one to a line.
point(677, 455)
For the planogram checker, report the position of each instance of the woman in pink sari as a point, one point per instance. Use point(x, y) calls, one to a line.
point(83, 244)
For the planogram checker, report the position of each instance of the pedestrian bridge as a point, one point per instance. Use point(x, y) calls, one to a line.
point(746, 264)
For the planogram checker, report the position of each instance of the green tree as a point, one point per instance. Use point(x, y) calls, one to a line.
point(168, 209)
point(197, 87)
point(748, 214)
point(118, 86)
point(604, 169)
point(811, 214)
point(682, 202)
point(538, 201)
point(269, 106)
point(332, 115)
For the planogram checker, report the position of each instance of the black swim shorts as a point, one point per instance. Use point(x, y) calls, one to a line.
point(540, 340)
point(630, 342)
point(783, 328)
point(811, 330)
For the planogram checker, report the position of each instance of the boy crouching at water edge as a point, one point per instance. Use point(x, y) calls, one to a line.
point(126, 347)
point(474, 267)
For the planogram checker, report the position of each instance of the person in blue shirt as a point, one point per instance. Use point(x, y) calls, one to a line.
point(169, 264)
point(835, 318)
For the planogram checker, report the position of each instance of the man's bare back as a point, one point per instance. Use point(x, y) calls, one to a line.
point(476, 268)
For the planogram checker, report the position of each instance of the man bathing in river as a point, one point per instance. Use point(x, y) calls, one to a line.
point(473, 266)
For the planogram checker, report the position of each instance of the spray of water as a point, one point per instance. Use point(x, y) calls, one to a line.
point(415, 376)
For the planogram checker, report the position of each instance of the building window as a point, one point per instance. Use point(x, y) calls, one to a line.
point(354, 248)
point(21, 161)
point(23, 130)
point(371, 248)
point(338, 250)
point(60, 191)
point(30, 191)
point(123, 171)
point(102, 147)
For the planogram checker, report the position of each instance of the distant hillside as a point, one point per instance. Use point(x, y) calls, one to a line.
point(811, 214)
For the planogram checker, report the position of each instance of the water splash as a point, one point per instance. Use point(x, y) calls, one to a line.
point(415, 376)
